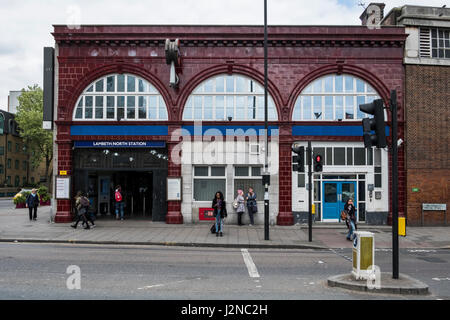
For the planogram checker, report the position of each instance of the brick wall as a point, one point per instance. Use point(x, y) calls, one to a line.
point(427, 140)
point(297, 56)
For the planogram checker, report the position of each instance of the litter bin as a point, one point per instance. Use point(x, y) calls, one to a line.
point(363, 254)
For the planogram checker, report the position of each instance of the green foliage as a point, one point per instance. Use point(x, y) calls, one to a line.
point(43, 193)
point(29, 117)
point(21, 197)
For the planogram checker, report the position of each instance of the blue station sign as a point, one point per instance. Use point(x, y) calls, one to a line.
point(119, 144)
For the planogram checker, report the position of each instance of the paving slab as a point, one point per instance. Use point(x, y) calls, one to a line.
point(15, 225)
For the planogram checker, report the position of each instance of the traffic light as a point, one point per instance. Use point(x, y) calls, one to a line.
point(298, 161)
point(318, 163)
point(376, 124)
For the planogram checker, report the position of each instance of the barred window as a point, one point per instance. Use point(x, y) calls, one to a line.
point(228, 97)
point(333, 97)
point(120, 97)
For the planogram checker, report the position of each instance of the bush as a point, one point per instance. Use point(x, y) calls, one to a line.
point(21, 197)
point(43, 193)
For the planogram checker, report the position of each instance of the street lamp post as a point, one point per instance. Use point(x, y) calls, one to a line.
point(266, 176)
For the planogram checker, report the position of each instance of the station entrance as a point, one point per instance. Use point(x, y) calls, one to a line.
point(141, 173)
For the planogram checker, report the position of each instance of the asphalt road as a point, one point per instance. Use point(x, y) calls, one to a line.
point(6, 203)
point(40, 271)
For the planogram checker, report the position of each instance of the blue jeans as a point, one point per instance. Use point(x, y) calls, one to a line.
point(119, 206)
point(351, 229)
point(219, 222)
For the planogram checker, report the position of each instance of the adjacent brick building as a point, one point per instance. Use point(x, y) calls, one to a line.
point(427, 109)
point(112, 90)
point(15, 167)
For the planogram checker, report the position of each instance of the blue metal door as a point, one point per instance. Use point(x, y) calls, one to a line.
point(330, 200)
point(335, 195)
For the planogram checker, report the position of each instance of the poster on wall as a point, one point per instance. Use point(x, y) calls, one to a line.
point(174, 189)
point(62, 187)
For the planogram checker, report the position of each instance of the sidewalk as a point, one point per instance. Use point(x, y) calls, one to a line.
point(15, 226)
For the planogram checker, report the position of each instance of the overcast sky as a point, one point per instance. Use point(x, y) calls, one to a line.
point(25, 25)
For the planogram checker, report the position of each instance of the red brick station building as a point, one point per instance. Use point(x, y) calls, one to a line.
point(116, 115)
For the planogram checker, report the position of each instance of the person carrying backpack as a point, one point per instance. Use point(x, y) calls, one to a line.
point(119, 202)
point(82, 206)
point(238, 205)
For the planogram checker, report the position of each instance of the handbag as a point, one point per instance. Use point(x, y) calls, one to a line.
point(343, 215)
point(213, 228)
point(254, 208)
point(235, 203)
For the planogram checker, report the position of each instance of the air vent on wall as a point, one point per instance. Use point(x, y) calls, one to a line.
point(425, 42)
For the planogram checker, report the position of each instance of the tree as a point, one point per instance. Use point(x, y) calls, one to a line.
point(29, 117)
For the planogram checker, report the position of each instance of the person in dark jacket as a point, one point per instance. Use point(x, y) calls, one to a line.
point(32, 204)
point(220, 212)
point(349, 207)
point(82, 210)
point(251, 205)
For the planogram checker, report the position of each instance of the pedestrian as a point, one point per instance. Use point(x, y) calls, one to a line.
point(119, 202)
point(89, 216)
point(220, 212)
point(32, 204)
point(81, 206)
point(350, 209)
point(239, 205)
point(252, 207)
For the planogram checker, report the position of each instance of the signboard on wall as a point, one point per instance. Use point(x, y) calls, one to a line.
point(62, 187)
point(119, 144)
point(174, 189)
point(206, 214)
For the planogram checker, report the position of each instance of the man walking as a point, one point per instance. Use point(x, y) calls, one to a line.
point(32, 204)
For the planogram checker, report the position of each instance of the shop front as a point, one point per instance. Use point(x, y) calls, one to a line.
point(120, 120)
point(140, 171)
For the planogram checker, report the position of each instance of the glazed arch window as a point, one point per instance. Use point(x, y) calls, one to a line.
point(120, 97)
point(333, 98)
point(226, 97)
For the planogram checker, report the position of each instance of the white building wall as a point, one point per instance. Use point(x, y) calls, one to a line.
point(228, 154)
point(300, 195)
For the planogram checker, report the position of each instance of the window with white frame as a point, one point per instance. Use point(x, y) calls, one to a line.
point(333, 97)
point(434, 43)
point(207, 181)
point(120, 97)
point(344, 156)
point(228, 97)
point(246, 177)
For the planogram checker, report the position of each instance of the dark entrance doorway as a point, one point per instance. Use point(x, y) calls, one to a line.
point(137, 191)
point(142, 174)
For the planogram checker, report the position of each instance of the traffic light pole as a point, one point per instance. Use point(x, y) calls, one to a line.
point(395, 258)
point(309, 156)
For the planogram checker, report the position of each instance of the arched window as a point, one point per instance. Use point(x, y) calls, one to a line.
point(120, 97)
point(226, 97)
point(333, 97)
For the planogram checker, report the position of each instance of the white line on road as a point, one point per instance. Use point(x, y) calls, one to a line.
point(162, 285)
point(251, 267)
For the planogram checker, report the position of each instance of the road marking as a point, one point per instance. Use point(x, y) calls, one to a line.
point(169, 283)
point(251, 267)
point(441, 279)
